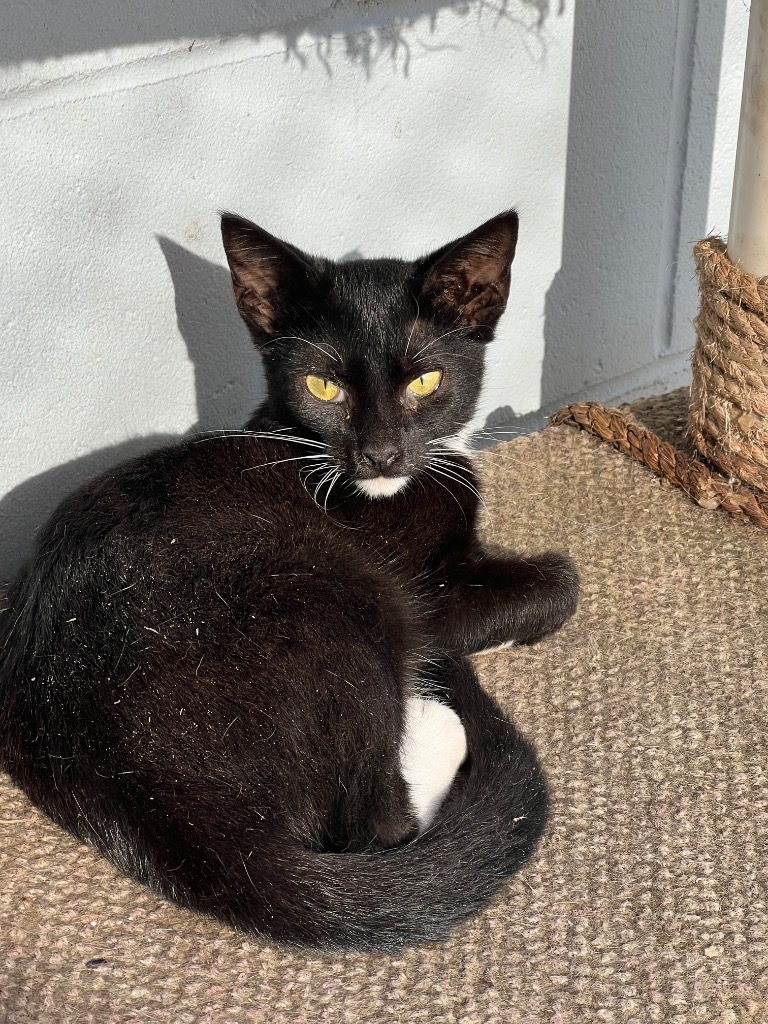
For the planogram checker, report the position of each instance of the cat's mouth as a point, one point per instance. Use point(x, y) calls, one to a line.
point(380, 469)
point(381, 486)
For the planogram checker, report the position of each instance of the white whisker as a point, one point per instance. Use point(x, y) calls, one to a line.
point(306, 472)
point(329, 474)
point(451, 470)
point(331, 485)
point(456, 469)
point(266, 435)
point(413, 328)
point(435, 340)
point(333, 354)
point(430, 474)
point(456, 444)
point(279, 462)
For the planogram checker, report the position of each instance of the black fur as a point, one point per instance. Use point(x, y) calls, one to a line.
point(204, 667)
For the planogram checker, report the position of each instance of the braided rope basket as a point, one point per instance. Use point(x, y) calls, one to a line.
point(728, 416)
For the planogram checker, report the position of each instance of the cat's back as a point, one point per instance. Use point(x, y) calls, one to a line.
point(204, 493)
point(209, 515)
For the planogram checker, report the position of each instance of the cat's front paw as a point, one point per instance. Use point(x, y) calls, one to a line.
point(555, 581)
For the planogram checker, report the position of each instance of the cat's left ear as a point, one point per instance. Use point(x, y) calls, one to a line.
point(469, 279)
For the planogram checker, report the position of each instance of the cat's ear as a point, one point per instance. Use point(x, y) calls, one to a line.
point(469, 279)
point(266, 273)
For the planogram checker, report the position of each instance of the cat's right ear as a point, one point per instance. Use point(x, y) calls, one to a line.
point(265, 272)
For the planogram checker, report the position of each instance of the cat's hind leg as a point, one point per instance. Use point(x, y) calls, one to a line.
point(432, 748)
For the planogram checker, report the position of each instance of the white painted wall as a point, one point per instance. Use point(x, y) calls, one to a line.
point(654, 96)
point(374, 126)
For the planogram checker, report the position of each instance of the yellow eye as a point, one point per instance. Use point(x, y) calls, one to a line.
point(426, 383)
point(323, 389)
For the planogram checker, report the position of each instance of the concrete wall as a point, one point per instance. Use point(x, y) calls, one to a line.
point(654, 105)
point(367, 126)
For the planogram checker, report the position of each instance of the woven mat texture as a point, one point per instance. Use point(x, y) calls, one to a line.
point(647, 898)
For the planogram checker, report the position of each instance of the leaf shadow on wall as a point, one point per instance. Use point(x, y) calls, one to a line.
point(229, 384)
point(41, 30)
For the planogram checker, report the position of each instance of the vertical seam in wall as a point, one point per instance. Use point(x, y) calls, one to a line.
point(677, 153)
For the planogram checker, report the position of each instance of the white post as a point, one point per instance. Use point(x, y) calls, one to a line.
point(748, 231)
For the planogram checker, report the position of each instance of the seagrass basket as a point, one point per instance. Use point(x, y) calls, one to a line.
point(726, 465)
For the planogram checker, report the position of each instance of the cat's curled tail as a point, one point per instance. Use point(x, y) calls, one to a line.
point(410, 894)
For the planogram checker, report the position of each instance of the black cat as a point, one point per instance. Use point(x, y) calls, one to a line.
point(234, 666)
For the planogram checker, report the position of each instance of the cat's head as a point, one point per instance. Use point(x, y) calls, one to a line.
point(382, 360)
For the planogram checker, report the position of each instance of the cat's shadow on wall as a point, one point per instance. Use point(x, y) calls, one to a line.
point(229, 384)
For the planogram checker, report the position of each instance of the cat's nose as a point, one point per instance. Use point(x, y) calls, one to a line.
point(381, 458)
